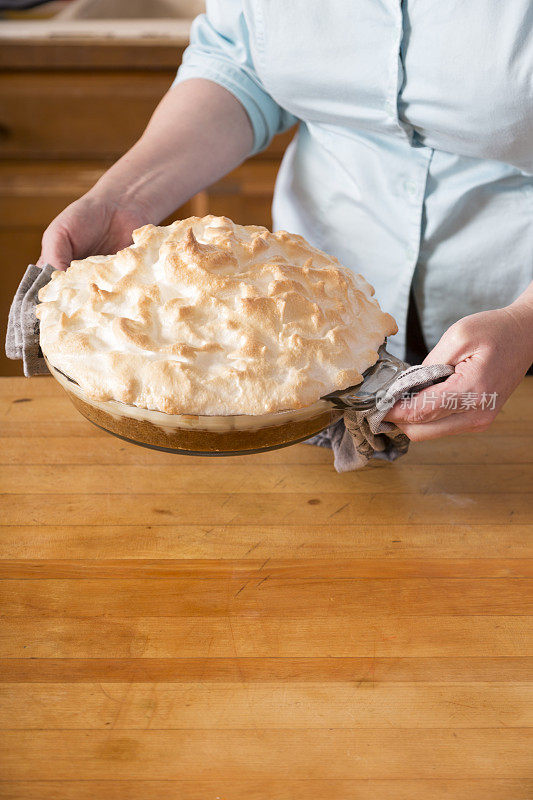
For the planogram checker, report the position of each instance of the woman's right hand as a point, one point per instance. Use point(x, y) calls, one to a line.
point(92, 225)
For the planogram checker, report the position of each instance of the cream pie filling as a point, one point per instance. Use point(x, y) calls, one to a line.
point(211, 318)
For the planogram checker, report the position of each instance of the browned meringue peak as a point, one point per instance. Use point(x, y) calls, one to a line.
point(208, 317)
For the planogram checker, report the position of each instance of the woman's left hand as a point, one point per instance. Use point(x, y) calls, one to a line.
point(491, 352)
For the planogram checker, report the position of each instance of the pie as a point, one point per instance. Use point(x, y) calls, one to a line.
point(207, 317)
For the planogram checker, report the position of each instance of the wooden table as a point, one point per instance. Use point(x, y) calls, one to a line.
point(260, 627)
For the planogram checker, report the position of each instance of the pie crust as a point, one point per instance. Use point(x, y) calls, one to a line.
point(201, 435)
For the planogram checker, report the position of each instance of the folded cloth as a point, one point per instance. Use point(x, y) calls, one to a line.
point(361, 435)
point(22, 339)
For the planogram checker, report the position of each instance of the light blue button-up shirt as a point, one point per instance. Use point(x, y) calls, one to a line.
point(413, 161)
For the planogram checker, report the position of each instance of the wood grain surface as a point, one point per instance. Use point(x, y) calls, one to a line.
point(260, 627)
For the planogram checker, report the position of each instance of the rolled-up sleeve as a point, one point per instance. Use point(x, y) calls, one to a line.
point(219, 51)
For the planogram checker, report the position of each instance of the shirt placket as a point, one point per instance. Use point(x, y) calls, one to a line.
point(411, 180)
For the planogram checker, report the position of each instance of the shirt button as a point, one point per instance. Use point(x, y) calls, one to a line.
point(390, 107)
point(410, 253)
point(410, 188)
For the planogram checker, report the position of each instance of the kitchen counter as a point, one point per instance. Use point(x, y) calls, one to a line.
point(260, 627)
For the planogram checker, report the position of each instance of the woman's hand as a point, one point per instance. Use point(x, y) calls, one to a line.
point(491, 352)
point(90, 226)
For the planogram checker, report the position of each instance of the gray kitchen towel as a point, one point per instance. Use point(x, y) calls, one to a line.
point(354, 439)
point(22, 339)
point(361, 435)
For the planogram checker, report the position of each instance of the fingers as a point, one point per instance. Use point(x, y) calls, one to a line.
point(468, 422)
point(446, 409)
point(457, 405)
point(441, 400)
point(426, 406)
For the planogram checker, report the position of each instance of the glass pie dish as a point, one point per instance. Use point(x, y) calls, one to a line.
point(230, 435)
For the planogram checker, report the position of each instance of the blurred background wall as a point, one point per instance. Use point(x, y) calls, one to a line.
point(79, 80)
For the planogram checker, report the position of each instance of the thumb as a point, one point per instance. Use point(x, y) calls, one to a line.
point(56, 248)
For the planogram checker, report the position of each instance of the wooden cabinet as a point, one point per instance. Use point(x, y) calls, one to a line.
point(76, 114)
point(67, 111)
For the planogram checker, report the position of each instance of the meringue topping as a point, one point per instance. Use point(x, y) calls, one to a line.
point(208, 317)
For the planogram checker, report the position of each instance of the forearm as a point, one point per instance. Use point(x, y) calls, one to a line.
point(522, 311)
point(197, 134)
